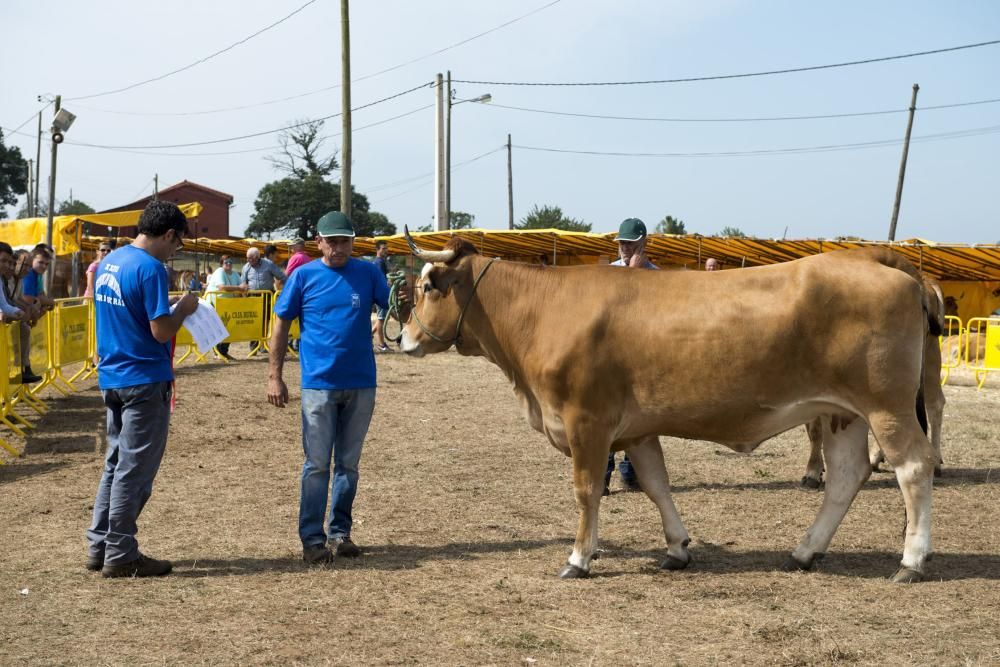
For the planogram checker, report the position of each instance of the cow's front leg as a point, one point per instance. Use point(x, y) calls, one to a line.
point(590, 459)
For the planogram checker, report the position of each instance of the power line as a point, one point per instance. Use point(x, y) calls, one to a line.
point(719, 77)
point(737, 119)
point(327, 88)
point(972, 132)
point(262, 148)
point(195, 63)
point(428, 177)
point(258, 134)
point(30, 118)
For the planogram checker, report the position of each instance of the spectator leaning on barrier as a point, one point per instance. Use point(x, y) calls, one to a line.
point(632, 253)
point(298, 256)
point(135, 323)
point(711, 264)
point(332, 299)
point(382, 262)
point(260, 273)
point(8, 311)
point(34, 296)
point(224, 279)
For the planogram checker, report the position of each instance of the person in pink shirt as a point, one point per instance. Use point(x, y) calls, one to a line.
point(102, 252)
point(297, 249)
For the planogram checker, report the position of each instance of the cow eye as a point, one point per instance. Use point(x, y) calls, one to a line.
point(428, 287)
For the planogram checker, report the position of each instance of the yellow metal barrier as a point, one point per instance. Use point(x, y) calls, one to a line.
point(6, 396)
point(951, 346)
point(982, 351)
point(71, 335)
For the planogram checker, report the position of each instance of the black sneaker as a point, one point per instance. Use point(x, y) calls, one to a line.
point(317, 554)
point(95, 563)
point(29, 377)
point(345, 547)
point(143, 566)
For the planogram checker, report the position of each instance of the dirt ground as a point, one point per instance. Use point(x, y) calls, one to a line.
point(466, 516)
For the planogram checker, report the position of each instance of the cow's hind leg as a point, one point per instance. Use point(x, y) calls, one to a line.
point(846, 454)
point(814, 468)
point(590, 460)
point(912, 457)
point(647, 459)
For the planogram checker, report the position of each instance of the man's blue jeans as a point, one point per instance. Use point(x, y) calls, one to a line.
point(138, 420)
point(334, 426)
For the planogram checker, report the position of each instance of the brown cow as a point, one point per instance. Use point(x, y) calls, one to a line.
point(604, 360)
point(933, 397)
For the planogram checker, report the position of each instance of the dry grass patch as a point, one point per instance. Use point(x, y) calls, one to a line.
point(466, 516)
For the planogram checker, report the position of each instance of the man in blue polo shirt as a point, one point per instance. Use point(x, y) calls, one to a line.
point(135, 323)
point(332, 299)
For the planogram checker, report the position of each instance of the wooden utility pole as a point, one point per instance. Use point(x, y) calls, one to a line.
point(31, 188)
point(52, 201)
point(440, 176)
point(156, 187)
point(510, 188)
point(345, 165)
point(902, 165)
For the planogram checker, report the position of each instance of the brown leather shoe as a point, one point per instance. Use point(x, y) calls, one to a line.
point(143, 566)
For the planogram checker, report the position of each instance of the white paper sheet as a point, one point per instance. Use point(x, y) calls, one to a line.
point(205, 326)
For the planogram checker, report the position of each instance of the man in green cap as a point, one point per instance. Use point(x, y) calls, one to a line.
point(332, 299)
point(632, 253)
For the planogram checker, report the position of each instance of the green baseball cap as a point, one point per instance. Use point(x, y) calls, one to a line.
point(631, 229)
point(335, 223)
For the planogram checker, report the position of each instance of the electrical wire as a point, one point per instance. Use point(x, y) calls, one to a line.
point(972, 132)
point(195, 63)
point(454, 167)
point(738, 119)
point(745, 75)
point(257, 134)
point(30, 118)
point(327, 88)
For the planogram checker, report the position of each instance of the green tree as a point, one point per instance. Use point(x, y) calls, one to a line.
point(732, 231)
point(74, 207)
point(292, 206)
point(300, 153)
point(670, 225)
point(551, 217)
point(13, 175)
point(461, 220)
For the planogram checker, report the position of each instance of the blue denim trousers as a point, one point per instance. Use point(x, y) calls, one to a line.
point(334, 426)
point(138, 420)
point(625, 469)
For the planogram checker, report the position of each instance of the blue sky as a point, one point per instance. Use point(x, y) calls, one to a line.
point(951, 186)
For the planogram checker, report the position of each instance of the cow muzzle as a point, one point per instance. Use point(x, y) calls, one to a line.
point(410, 346)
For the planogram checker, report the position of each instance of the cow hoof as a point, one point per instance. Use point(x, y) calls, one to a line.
point(938, 472)
point(674, 563)
point(792, 564)
point(810, 482)
point(573, 572)
point(905, 575)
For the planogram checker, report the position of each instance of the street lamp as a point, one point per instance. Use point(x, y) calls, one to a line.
point(482, 99)
point(61, 123)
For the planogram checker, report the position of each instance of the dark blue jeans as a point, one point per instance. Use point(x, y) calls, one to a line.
point(138, 419)
point(625, 469)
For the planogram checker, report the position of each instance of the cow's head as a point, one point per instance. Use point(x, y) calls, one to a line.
point(440, 295)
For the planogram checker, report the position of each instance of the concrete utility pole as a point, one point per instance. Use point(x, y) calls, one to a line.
point(902, 165)
point(52, 200)
point(31, 188)
point(510, 187)
point(345, 166)
point(440, 178)
point(38, 166)
point(156, 187)
point(447, 158)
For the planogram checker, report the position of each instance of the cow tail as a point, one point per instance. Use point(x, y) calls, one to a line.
point(934, 307)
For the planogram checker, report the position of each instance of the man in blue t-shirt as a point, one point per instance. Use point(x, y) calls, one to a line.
point(631, 239)
point(332, 299)
point(135, 323)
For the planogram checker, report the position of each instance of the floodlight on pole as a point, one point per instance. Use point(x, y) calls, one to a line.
point(482, 99)
point(61, 123)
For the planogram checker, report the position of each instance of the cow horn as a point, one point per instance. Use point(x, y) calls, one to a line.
point(443, 256)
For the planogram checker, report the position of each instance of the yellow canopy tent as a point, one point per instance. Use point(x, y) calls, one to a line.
point(66, 229)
